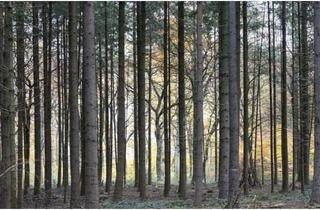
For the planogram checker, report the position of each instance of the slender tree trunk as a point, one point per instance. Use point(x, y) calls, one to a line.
point(135, 108)
point(275, 158)
point(66, 115)
point(304, 108)
point(141, 29)
point(47, 107)
point(59, 107)
point(108, 139)
point(90, 108)
point(181, 93)
point(223, 103)
point(21, 97)
point(101, 113)
point(74, 113)
point(315, 195)
point(271, 104)
point(245, 102)
point(118, 190)
point(149, 109)
point(37, 100)
point(165, 104)
point(198, 110)
point(284, 141)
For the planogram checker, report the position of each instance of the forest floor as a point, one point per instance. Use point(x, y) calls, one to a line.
point(258, 198)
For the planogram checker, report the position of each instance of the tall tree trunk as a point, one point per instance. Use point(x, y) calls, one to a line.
point(47, 107)
point(284, 141)
point(304, 99)
point(8, 184)
point(223, 103)
point(74, 113)
point(90, 108)
point(271, 99)
point(37, 100)
point(295, 103)
point(141, 29)
point(101, 113)
point(315, 195)
point(234, 105)
point(108, 138)
point(135, 107)
point(275, 158)
point(118, 190)
point(165, 104)
point(181, 93)
point(59, 107)
point(245, 101)
point(198, 110)
point(149, 109)
point(66, 114)
point(21, 97)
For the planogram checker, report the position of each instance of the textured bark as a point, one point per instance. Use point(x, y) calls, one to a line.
point(90, 108)
point(165, 104)
point(245, 101)
point(21, 97)
point(37, 100)
point(74, 113)
point(118, 190)
point(66, 114)
point(107, 136)
point(284, 141)
point(181, 93)
point(315, 195)
point(234, 105)
point(271, 100)
point(47, 106)
point(59, 108)
point(135, 108)
point(149, 108)
point(223, 103)
point(304, 97)
point(101, 113)
point(8, 183)
point(198, 110)
point(275, 159)
point(141, 31)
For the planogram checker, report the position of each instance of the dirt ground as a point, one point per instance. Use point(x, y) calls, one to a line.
point(258, 198)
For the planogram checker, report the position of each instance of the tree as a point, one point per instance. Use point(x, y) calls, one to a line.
point(315, 195)
point(90, 108)
point(8, 183)
point(223, 103)
point(21, 97)
point(234, 104)
point(270, 96)
point(245, 101)
point(37, 99)
point(304, 97)
point(198, 110)
point(284, 143)
point(165, 104)
point(74, 113)
point(141, 32)
point(47, 106)
point(121, 107)
point(182, 131)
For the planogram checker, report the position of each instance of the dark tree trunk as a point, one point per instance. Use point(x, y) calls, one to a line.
point(118, 190)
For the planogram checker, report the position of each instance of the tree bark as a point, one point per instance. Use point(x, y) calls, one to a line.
point(118, 190)
point(223, 103)
point(315, 195)
point(90, 108)
point(74, 113)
